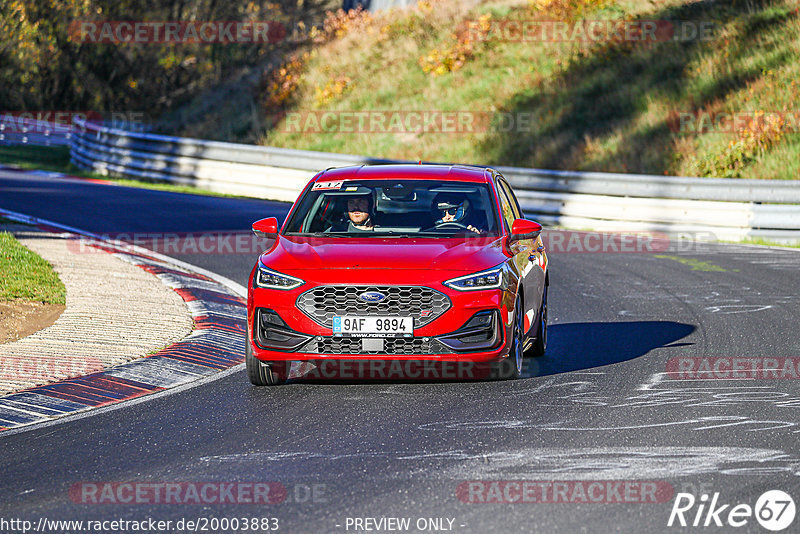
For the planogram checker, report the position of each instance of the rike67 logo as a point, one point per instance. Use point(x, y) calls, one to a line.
point(774, 510)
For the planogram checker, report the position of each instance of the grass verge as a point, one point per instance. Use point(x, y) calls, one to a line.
point(763, 243)
point(26, 276)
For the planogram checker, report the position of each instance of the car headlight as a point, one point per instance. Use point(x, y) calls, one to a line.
point(269, 279)
point(494, 278)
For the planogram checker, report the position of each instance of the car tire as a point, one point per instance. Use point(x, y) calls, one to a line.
point(262, 373)
point(511, 367)
point(540, 344)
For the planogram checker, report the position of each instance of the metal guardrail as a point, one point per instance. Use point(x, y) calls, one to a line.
point(726, 208)
point(16, 130)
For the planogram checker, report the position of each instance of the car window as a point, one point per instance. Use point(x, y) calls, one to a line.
point(512, 198)
point(505, 207)
point(418, 208)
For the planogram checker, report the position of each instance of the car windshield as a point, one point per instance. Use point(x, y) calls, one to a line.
point(402, 208)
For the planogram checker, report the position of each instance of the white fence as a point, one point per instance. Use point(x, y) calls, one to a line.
point(17, 130)
point(729, 209)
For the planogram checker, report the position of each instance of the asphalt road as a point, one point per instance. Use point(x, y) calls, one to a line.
point(596, 407)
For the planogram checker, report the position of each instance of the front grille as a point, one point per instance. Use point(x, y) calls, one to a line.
point(322, 303)
point(391, 346)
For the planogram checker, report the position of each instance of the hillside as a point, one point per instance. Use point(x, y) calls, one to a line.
point(54, 57)
point(608, 104)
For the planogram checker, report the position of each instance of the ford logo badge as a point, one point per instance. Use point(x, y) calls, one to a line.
point(372, 296)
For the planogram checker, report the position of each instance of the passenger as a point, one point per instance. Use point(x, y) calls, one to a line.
point(455, 208)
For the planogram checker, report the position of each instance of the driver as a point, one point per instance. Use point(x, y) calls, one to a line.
point(358, 215)
point(455, 208)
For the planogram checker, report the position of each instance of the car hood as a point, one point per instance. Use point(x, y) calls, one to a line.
point(452, 254)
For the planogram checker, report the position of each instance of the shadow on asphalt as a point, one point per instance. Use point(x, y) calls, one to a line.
point(571, 347)
point(576, 346)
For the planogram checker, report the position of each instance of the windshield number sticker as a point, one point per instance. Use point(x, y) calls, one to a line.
point(327, 185)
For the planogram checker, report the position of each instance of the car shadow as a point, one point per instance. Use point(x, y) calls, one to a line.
point(571, 347)
point(576, 346)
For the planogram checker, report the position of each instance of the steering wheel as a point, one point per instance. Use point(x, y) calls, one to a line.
point(449, 225)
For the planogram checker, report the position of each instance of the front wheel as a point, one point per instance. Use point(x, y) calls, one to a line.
point(261, 373)
point(511, 367)
point(540, 345)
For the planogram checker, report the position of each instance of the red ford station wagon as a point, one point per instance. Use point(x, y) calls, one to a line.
point(431, 264)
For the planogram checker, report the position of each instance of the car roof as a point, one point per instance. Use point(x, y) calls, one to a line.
point(454, 173)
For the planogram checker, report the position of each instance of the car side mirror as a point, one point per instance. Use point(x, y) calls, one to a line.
point(524, 229)
point(267, 228)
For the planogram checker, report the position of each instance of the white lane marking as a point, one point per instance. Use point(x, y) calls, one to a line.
point(613, 463)
point(701, 423)
point(738, 308)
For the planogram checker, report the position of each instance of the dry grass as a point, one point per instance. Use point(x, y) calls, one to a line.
point(607, 106)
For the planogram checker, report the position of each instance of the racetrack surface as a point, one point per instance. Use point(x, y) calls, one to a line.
point(597, 406)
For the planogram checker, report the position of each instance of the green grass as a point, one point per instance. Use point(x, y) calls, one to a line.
point(595, 107)
point(26, 275)
point(763, 243)
point(5, 220)
point(694, 263)
point(171, 188)
point(56, 159)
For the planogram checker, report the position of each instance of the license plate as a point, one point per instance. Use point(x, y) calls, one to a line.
point(354, 326)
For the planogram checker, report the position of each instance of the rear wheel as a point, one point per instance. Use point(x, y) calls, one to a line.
point(540, 345)
point(262, 373)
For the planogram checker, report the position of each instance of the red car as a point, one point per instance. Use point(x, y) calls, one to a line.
point(430, 264)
